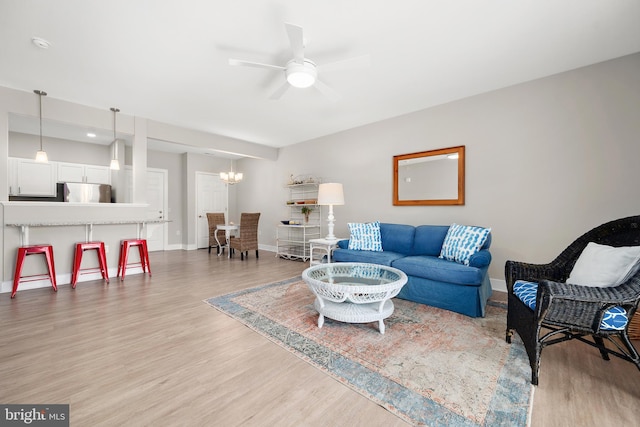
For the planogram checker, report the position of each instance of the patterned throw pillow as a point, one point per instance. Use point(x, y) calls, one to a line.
point(365, 236)
point(615, 319)
point(462, 241)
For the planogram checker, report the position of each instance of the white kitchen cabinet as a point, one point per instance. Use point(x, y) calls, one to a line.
point(13, 176)
point(70, 172)
point(97, 174)
point(35, 179)
point(29, 178)
point(91, 174)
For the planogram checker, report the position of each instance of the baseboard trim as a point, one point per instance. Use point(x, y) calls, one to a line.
point(498, 285)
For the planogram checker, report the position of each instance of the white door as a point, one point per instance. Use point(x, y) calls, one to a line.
point(211, 196)
point(156, 198)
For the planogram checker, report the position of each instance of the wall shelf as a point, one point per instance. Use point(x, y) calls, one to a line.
point(293, 239)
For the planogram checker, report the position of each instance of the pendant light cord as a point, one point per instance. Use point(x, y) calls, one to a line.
point(40, 94)
point(115, 152)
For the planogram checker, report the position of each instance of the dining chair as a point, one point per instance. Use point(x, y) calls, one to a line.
point(214, 219)
point(248, 238)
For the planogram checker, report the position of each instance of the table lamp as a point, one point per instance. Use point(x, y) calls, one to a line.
point(330, 194)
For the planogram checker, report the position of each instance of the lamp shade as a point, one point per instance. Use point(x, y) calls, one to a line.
point(330, 194)
point(41, 157)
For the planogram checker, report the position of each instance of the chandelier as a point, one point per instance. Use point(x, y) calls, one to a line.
point(231, 177)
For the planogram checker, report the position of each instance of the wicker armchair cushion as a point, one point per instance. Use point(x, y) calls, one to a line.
point(365, 236)
point(615, 318)
point(463, 241)
point(602, 265)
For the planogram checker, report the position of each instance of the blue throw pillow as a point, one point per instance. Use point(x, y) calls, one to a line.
point(365, 236)
point(462, 241)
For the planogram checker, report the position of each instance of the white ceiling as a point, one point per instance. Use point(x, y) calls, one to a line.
point(168, 60)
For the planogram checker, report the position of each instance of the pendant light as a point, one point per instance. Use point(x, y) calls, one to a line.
point(231, 177)
point(41, 155)
point(115, 164)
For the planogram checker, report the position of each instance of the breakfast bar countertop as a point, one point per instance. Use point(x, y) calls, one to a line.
point(88, 224)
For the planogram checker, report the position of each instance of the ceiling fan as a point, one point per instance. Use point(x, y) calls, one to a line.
point(301, 72)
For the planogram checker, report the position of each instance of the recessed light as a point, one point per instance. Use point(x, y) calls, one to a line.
point(40, 42)
point(91, 134)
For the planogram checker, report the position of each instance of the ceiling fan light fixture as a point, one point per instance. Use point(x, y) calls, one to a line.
point(301, 75)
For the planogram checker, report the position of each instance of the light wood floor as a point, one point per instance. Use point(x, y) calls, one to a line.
point(148, 351)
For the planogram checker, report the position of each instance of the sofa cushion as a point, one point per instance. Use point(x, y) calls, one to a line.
point(373, 257)
point(429, 239)
point(462, 241)
point(439, 269)
point(365, 236)
point(397, 238)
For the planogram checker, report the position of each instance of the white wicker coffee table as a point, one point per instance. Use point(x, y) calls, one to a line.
point(354, 292)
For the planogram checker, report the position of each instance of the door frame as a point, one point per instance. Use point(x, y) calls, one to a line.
point(165, 204)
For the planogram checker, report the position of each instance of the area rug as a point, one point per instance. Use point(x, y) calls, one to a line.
point(431, 367)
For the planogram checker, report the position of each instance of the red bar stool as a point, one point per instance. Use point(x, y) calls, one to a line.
point(124, 254)
point(77, 260)
point(24, 251)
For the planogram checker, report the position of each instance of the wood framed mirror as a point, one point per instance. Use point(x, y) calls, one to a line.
point(434, 177)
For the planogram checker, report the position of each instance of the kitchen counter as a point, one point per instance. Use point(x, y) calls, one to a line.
point(24, 226)
point(64, 224)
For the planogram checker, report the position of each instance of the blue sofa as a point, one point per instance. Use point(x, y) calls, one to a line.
point(432, 281)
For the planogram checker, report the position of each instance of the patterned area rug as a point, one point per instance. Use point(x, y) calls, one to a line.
point(431, 367)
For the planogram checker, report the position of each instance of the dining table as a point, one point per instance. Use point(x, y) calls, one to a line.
point(227, 228)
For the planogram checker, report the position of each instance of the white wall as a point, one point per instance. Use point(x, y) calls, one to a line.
point(59, 150)
point(182, 169)
point(173, 164)
point(546, 161)
point(200, 163)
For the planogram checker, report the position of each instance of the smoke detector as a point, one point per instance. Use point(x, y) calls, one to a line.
point(40, 42)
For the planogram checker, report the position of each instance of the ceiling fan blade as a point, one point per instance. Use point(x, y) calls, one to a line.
point(362, 61)
point(280, 91)
point(254, 64)
point(296, 39)
point(326, 90)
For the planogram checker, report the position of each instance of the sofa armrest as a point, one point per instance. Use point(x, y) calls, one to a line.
point(480, 259)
